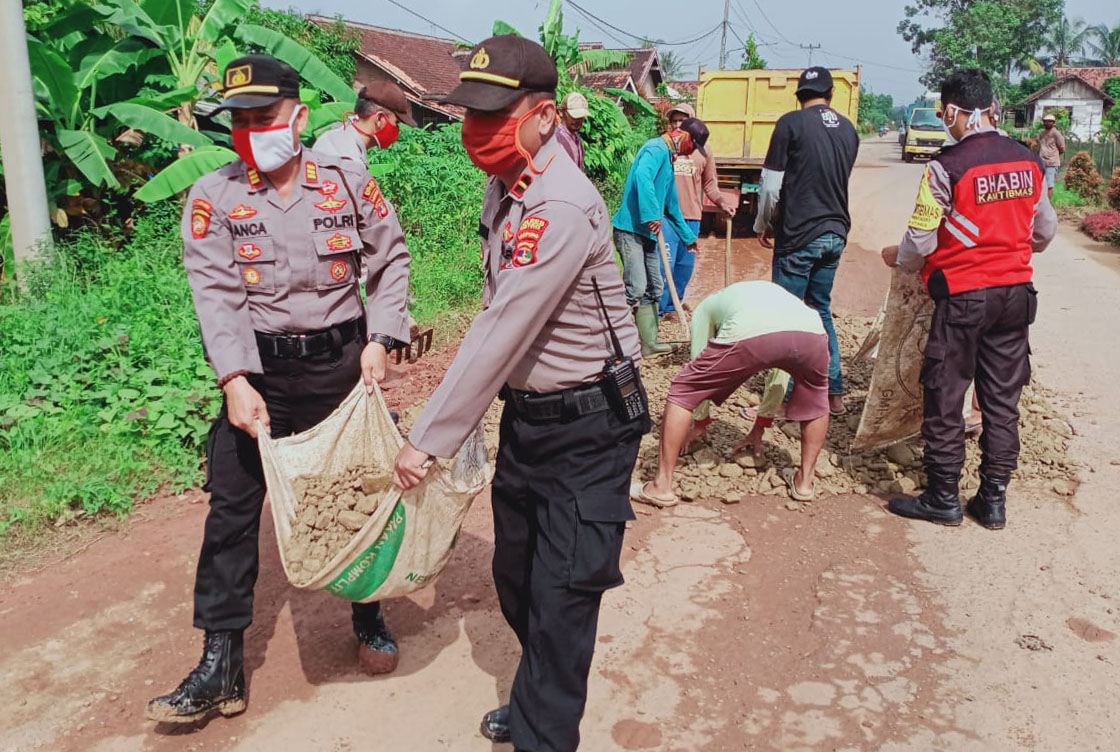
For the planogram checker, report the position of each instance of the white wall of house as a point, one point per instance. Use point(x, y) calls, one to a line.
point(1085, 106)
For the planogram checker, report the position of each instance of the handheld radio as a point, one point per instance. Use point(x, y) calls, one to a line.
point(621, 382)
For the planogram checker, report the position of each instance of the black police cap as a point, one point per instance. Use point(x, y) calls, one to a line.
point(500, 70)
point(257, 81)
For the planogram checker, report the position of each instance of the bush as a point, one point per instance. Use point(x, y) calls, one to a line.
point(104, 392)
point(1113, 195)
point(1083, 177)
point(1063, 197)
point(1103, 226)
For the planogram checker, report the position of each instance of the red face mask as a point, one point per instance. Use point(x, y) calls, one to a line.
point(493, 142)
point(384, 137)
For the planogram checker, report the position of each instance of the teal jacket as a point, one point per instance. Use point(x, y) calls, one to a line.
point(651, 193)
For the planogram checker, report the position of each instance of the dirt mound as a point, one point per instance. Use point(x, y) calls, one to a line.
point(713, 471)
point(331, 509)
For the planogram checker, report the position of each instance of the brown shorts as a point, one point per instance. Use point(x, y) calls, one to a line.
point(721, 369)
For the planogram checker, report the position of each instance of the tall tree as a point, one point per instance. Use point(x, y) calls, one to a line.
point(1106, 44)
point(1065, 41)
point(672, 67)
point(990, 34)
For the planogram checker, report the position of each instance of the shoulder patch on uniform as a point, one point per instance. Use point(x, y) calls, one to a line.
point(311, 172)
point(254, 177)
point(201, 211)
point(242, 212)
point(372, 194)
point(528, 240)
point(927, 212)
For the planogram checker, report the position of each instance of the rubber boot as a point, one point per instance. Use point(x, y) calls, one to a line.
point(940, 503)
point(989, 505)
point(216, 685)
point(377, 650)
point(495, 725)
point(646, 318)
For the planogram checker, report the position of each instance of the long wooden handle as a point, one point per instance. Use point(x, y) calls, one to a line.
point(672, 285)
point(727, 255)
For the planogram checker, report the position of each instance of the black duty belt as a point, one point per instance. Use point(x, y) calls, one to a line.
point(557, 407)
point(309, 344)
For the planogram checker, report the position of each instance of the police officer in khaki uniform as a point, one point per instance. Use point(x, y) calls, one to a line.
point(570, 428)
point(272, 247)
point(380, 109)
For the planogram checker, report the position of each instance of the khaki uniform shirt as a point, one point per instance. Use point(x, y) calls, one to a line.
point(344, 141)
point(259, 263)
point(541, 329)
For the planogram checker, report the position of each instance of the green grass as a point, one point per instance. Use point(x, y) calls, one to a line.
point(1064, 197)
point(105, 396)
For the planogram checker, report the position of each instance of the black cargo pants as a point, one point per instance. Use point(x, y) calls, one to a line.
point(299, 393)
point(979, 336)
point(561, 499)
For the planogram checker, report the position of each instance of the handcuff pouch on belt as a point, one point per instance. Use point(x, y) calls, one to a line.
point(621, 383)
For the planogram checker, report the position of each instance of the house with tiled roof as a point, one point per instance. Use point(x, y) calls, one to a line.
point(426, 67)
point(1095, 77)
point(642, 75)
point(1085, 103)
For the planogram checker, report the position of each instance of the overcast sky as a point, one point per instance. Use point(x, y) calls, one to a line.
point(848, 31)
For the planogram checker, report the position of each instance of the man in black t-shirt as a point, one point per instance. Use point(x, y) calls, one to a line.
point(811, 156)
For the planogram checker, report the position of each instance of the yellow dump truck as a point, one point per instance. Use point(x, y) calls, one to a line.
point(925, 134)
point(741, 109)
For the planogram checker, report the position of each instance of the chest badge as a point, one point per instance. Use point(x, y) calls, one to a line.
point(328, 188)
point(242, 212)
point(330, 204)
point(252, 276)
point(507, 233)
point(339, 269)
point(249, 251)
point(339, 242)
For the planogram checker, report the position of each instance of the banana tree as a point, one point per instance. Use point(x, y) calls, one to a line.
point(564, 49)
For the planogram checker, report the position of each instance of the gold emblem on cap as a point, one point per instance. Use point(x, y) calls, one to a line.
point(481, 59)
point(239, 76)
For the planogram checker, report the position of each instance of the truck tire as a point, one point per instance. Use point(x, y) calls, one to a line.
point(908, 158)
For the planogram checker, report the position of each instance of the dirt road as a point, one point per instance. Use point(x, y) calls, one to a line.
point(742, 626)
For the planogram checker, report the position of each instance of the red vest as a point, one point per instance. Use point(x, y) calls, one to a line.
point(985, 239)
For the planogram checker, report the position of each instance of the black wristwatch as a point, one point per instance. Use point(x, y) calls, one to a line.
point(385, 341)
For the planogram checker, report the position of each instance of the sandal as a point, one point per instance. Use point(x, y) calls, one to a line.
point(638, 493)
point(974, 425)
point(789, 475)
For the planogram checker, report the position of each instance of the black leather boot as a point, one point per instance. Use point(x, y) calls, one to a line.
point(989, 505)
point(495, 725)
point(377, 650)
point(940, 503)
point(216, 685)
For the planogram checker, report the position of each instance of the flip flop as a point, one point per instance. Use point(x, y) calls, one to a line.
point(974, 426)
point(638, 494)
point(788, 475)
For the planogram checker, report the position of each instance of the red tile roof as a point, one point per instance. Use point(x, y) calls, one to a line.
point(426, 65)
point(1095, 77)
point(608, 79)
point(685, 88)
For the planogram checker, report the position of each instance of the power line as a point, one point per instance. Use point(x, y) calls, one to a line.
point(404, 7)
point(601, 28)
point(639, 37)
point(772, 26)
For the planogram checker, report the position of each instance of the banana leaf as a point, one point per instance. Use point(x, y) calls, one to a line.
point(177, 13)
point(89, 152)
point(155, 122)
point(310, 68)
point(222, 15)
point(54, 81)
point(114, 60)
point(132, 19)
point(501, 27)
point(182, 173)
point(631, 99)
point(224, 54)
point(327, 114)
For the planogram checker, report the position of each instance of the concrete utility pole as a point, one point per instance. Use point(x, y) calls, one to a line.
point(723, 41)
point(810, 47)
point(19, 140)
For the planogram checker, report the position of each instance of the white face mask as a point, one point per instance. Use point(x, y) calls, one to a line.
point(975, 120)
point(267, 149)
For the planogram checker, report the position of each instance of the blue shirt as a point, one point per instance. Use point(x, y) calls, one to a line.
point(651, 193)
